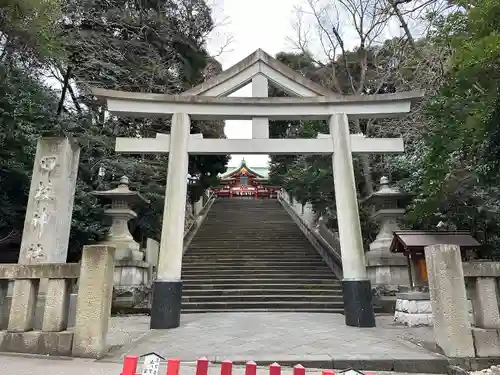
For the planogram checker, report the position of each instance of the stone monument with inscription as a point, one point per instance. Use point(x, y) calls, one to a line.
point(49, 211)
point(50, 204)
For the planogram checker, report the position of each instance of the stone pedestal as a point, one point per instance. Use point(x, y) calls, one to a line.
point(387, 271)
point(131, 284)
point(413, 309)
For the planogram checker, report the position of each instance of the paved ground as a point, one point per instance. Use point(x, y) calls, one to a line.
point(22, 365)
point(321, 340)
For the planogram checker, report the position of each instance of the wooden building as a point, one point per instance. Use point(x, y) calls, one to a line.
point(246, 182)
point(412, 244)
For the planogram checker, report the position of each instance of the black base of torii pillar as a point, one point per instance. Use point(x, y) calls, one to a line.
point(358, 303)
point(166, 304)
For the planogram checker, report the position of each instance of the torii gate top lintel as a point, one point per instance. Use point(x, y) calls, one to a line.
point(239, 108)
point(209, 101)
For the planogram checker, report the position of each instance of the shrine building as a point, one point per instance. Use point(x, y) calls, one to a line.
point(246, 182)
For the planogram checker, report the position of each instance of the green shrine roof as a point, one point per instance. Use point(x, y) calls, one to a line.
point(261, 172)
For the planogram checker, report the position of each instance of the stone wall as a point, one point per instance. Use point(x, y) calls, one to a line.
point(312, 229)
point(304, 211)
point(190, 218)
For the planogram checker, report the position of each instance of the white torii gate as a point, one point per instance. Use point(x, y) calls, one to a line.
point(208, 101)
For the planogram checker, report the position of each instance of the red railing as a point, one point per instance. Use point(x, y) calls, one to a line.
point(226, 367)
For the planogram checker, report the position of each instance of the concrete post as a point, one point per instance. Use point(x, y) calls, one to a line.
point(22, 307)
point(93, 306)
point(4, 285)
point(260, 89)
point(485, 302)
point(167, 288)
point(358, 305)
point(55, 313)
point(450, 312)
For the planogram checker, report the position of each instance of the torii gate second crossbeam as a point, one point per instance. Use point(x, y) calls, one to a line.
point(197, 145)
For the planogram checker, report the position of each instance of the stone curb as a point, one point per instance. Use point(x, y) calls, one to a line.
point(427, 366)
point(422, 366)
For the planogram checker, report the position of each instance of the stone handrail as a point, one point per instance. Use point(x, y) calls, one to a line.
point(93, 307)
point(39, 271)
point(477, 268)
point(26, 279)
point(481, 279)
point(326, 251)
point(200, 218)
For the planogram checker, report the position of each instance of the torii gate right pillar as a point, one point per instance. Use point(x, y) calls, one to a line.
point(357, 291)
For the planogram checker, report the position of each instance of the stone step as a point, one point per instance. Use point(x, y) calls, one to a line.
point(201, 258)
point(254, 243)
point(264, 298)
point(259, 261)
point(284, 287)
point(261, 305)
point(245, 241)
point(311, 310)
point(252, 239)
point(257, 247)
point(262, 250)
point(274, 275)
point(261, 281)
point(219, 249)
point(251, 264)
point(327, 290)
point(242, 255)
point(245, 259)
point(296, 270)
point(285, 227)
point(263, 218)
point(252, 227)
point(259, 273)
point(239, 258)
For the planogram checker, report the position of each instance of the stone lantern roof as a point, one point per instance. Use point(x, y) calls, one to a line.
point(121, 192)
point(386, 191)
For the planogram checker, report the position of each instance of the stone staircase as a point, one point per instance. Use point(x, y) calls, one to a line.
point(249, 255)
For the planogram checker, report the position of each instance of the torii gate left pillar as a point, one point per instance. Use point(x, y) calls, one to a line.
point(167, 288)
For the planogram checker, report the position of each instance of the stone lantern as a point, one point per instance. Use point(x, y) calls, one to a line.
point(388, 271)
point(122, 199)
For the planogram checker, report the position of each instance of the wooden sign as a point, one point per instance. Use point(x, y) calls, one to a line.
point(151, 364)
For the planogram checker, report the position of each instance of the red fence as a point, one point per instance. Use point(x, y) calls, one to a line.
point(226, 367)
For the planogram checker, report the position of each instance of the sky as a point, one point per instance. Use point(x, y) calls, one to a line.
point(264, 24)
